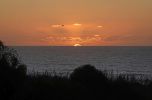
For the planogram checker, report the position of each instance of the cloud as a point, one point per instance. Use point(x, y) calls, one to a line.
point(57, 26)
point(118, 37)
point(99, 26)
point(77, 39)
point(77, 24)
point(52, 29)
point(71, 29)
point(97, 35)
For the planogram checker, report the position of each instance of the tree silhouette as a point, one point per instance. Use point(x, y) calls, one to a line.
point(12, 72)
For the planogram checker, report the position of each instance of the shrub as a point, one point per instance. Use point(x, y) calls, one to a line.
point(88, 74)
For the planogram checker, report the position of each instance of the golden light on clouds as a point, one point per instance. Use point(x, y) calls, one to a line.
point(84, 40)
point(56, 26)
point(97, 35)
point(77, 24)
point(72, 34)
point(99, 26)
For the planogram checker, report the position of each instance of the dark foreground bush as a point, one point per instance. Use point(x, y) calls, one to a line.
point(88, 74)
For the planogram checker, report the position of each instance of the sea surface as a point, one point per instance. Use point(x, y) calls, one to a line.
point(132, 60)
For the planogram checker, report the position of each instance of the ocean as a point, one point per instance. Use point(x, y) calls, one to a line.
point(119, 59)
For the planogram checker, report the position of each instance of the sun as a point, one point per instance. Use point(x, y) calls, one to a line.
point(76, 45)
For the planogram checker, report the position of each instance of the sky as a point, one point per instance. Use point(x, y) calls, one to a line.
point(76, 22)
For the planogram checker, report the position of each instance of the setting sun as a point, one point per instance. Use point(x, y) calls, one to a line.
point(76, 45)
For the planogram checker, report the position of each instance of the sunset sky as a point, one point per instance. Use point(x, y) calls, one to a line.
point(76, 22)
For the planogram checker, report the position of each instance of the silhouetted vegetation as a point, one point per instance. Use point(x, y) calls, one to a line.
point(12, 72)
point(84, 83)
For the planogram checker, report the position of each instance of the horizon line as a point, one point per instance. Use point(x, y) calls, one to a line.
point(79, 46)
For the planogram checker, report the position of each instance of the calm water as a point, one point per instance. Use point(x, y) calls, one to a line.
point(134, 60)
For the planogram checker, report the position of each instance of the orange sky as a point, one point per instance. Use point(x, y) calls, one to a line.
point(76, 22)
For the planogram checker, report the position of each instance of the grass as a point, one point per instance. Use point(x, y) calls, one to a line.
point(84, 83)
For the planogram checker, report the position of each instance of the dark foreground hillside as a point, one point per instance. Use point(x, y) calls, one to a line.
point(84, 83)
